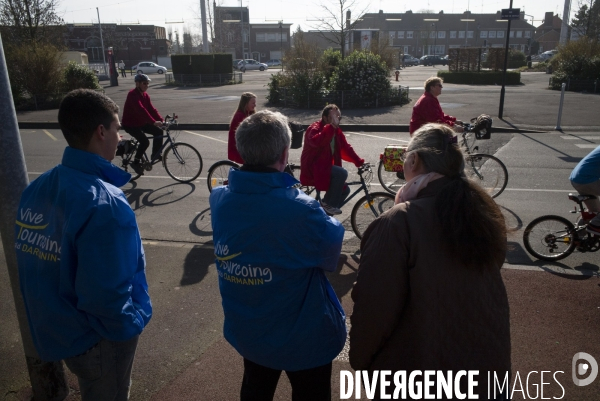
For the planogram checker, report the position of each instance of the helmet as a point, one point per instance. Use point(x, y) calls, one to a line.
point(482, 126)
point(141, 78)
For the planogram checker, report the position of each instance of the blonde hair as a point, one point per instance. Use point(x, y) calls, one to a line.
point(432, 82)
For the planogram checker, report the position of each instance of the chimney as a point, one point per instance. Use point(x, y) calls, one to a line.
point(548, 18)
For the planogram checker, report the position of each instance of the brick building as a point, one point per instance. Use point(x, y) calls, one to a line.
point(130, 43)
point(548, 34)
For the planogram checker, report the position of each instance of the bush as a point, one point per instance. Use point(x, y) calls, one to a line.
point(516, 59)
point(76, 76)
point(576, 60)
point(362, 71)
point(330, 60)
point(480, 78)
point(33, 69)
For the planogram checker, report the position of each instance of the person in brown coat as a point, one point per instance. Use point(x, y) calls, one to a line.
point(429, 294)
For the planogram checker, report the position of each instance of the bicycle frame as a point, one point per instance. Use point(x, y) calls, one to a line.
point(362, 187)
point(168, 142)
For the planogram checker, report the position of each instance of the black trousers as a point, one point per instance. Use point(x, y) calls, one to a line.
point(260, 382)
point(138, 133)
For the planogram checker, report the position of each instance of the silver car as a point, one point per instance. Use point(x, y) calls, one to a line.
point(249, 64)
point(148, 67)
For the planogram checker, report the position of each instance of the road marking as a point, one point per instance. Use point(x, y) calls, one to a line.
point(206, 136)
point(380, 137)
point(50, 135)
point(587, 145)
point(145, 176)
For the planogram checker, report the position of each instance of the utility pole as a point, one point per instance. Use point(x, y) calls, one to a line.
point(101, 41)
point(503, 90)
point(564, 28)
point(48, 380)
point(204, 31)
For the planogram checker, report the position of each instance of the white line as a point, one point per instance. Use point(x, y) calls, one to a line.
point(587, 145)
point(582, 137)
point(380, 137)
point(539, 190)
point(205, 136)
point(49, 134)
point(144, 177)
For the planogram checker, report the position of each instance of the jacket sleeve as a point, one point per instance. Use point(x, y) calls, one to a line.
point(326, 235)
point(111, 279)
point(431, 112)
point(135, 112)
point(347, 151)
point(232, 152)
point(153, 112)
point(381, 289)
point(316, 138)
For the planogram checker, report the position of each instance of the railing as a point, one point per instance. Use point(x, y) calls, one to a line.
point(576, 85)
point(289, 97)
point(203, 79)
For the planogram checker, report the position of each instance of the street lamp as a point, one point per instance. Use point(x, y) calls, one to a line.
point(129, 51)
point(434, 38)
point(281, 43)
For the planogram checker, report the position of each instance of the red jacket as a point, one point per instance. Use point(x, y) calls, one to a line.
point(317, 159)
point(138, 110)
point(428, 110)
point(232, 152)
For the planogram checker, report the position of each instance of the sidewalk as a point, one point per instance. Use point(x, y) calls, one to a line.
point(530, 106)
point(183, 356)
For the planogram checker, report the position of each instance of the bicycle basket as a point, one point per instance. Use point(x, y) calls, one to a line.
point(392, 158)
point(482, 126)
point(297, 134)
point(124, 147)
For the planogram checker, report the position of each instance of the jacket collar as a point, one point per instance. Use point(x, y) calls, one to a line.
point(259, 183)
point(433, 188)
point(90, 163)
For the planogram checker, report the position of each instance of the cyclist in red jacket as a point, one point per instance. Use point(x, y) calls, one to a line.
point(325, 147)
point(246, 107)
point(140, 117)
point(428, 110)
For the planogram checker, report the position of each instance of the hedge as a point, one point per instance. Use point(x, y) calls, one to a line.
point(204, 63)
point(480, 78)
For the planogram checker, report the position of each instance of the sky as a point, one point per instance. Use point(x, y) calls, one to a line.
point(186, 13)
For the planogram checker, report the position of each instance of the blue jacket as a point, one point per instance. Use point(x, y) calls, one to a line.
point(80, 257)
point(588, 169)
point(272, 244)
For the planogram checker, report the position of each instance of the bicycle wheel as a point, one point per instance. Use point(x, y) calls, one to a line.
point(307, 189)
point(550, 237)
point(365, 211)
point(488, 172)
point(218, 173)
point(390, 180)
point(182, 162)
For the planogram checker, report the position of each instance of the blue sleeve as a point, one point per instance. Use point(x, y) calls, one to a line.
point(322, 237)
point(111, 279)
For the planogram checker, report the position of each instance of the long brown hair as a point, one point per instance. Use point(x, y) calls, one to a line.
point(472, 225)
point(244, 100)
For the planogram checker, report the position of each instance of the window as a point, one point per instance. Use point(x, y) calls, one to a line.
point(230, 37)
point(483, 34)
point(409, 34)
point(500, 34)
point(260, 37)
point(452, 34)
point(424, 34)
point(401, 34)
point(470, 34)
point(527, 34)
point(392, 34)
point(441, 34)
point(432, 35)
point(512, 34)
point(491, 34)
point(461, 34)
point(519, 34)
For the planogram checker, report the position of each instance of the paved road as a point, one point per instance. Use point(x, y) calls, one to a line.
point(182, 354)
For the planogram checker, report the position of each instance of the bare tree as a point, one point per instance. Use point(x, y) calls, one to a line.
point(31, 21)
point(335, 24)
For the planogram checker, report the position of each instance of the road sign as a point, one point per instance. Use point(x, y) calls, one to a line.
point(511, 13)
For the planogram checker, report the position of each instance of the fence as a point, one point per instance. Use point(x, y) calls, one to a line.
point(288, 97)
point(203, 79)
point(576, 85)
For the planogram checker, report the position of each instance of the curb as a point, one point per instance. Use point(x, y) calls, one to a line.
point(225, 127)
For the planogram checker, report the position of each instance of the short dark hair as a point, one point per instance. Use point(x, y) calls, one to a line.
point(80, 113)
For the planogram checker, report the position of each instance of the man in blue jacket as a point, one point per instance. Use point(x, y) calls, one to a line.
point(585, 178)
point(273, 245)
point(80, 256)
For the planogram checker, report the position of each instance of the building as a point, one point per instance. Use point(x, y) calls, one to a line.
point(548, 34)
point(130, 43)
point(260, 42)
point(420, 34)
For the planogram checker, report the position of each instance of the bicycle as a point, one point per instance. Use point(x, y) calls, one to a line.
point(218, 174)
point(554, 237)
point(181, 161)
point(486, 170)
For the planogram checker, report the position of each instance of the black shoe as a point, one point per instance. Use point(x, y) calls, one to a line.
point(137, 166)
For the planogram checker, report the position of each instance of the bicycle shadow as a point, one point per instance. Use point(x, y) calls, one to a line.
point(201, 224)
point(140, 198)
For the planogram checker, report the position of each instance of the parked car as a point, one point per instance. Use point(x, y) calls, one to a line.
point(433, 60)
point(148, 67)
point(545, 56)
point(273, 62)
point(250, 64)
point(408, 60)
point(236, 62)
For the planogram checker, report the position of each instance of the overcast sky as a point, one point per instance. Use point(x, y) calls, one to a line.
point(297, 12)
